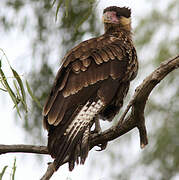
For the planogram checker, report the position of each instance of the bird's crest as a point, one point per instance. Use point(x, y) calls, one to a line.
point(121, 11)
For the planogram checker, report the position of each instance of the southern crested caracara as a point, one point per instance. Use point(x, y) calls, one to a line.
point(91, 83)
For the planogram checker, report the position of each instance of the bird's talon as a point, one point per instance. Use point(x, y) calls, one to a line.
point(102, 146)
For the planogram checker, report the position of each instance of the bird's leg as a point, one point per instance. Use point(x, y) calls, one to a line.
point(97, 128)
point(98, 131)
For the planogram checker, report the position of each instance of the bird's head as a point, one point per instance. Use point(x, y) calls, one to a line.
point(117, 18)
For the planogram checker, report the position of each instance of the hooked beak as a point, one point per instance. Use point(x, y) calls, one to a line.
point(106, 18)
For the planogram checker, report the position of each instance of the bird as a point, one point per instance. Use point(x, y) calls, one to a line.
point(90, 85)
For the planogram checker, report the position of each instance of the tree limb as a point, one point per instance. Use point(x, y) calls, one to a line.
point(138, 102)
point(23, 149)
point(125, 124)
point(50, 171)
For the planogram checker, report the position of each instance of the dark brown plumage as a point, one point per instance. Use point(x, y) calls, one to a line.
point(92, 82)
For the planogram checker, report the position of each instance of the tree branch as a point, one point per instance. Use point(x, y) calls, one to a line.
point(50, 171)
point(125, 124)
point(138, 102)
point(23, 149)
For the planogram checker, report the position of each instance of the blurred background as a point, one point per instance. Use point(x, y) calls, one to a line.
point(35, 43)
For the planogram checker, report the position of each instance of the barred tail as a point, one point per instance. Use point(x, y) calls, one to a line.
point(73, 142)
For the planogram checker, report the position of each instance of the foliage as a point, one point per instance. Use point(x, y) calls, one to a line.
point(13, 171)
point(18, 95)
point(67, 5)
point(17, 92)
point(2, 172)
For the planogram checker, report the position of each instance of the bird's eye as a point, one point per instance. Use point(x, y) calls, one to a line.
point(118, 14)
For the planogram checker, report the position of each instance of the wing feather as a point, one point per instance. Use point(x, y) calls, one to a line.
point(118, 53)
point(91, 61)
point(97, 58)
point(76, 66)
point(61, 113)
point(57, 107)
point(110, 53)
point(104, 55)
point(86, 62)
point(59, 83)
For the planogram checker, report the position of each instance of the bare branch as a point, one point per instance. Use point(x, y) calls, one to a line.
point(23, 149)
point(50, 171)
point(138, 101)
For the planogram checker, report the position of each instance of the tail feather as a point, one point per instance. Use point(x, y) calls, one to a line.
point(72, 135)
point(85, 145)
point(74, 142)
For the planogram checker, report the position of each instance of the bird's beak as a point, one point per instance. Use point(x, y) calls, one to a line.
point(106, 18)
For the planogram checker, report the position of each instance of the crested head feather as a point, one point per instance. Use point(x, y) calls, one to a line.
point(120, 11)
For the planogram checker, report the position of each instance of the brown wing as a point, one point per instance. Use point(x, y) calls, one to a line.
point(97, 70)
point(83, 71)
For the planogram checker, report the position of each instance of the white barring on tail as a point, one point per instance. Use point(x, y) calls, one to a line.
point(84, 117)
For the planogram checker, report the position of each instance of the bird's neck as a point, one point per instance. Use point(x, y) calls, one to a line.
point(117, 30)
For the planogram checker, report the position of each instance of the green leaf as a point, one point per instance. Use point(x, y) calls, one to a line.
point(67, 2)
point(14, 169)
point(86, 16)
point(9, 90)
point(22, 96)
point(17, 90)
point(32, 95)
point(19, 97)
point(53, 3)
point(3, 90)
point(4, 54)
point(2, 172)
point(58, 7)
point(4, 80)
